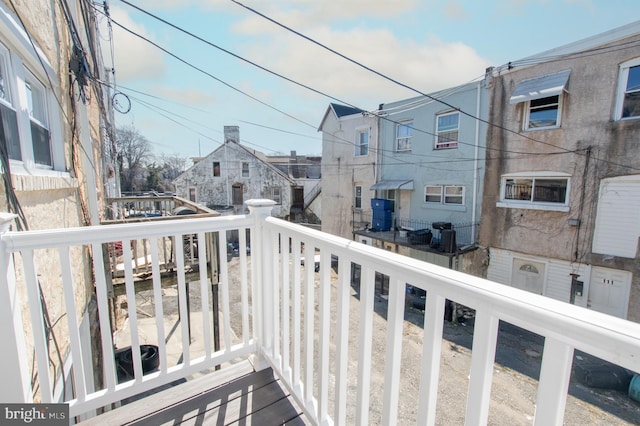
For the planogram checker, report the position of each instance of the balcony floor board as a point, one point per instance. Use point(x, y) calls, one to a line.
point(238, 395)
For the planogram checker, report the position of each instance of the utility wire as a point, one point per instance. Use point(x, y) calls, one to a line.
point(329, 96)
point(406, 86)
point(315, 90)
point(208, 74)
point(392, 80)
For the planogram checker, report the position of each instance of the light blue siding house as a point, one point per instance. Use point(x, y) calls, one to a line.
point(431, 165)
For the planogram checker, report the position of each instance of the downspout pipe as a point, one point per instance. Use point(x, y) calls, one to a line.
point(474, 206)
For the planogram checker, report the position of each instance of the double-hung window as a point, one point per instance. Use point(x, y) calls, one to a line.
point(25, 113)
point(541, 190)
point(362, 143)
point(628, 101)
point(433, 194)
point(447, 126)
point(40, 137)
point(444, 194)
point(357, 202)
point(542, 98)
point(453, 194)
point(276, 195)
point(404, 133)
point(9, 133)
point(245, 170)
point(543, 113)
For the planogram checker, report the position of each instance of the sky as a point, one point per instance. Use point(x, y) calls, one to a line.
point(220, 59)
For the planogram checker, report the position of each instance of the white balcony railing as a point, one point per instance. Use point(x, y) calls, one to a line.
point(290, 318)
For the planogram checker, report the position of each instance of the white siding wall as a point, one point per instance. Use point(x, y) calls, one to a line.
point(499, 266)
point(557, 275)
point(617, 222)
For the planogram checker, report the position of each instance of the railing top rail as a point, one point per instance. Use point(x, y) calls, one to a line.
point(605, 336)
point(15, 241)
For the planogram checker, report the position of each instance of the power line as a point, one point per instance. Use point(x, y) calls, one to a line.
point(386, 77)
point(293, 117)
point(207, 73)
point(228, 52)
point(431, 97)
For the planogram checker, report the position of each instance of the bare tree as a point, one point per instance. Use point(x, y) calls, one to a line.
point(134, 151)
point(174, 165)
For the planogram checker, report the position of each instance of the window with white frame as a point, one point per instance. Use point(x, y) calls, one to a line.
point(537, 189)
point(543, 113)
point(362, 142)
point(245, 170)
point(8, 113)
point(453, 194)
point(36, 99)
point(25, 112)
point(628, 101)
point(276, 195)
point(357, 202)
point(433, 194)
point(447, 126)
point(444, 194)
point(404, 133)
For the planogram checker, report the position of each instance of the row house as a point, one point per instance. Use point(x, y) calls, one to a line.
point(430, 169)
point(562, 188)
point(399, 176)
point(528, 177)
point(349, 166)
point(58, 167)
point(233, 173)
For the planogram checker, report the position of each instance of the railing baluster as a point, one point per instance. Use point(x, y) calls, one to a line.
point(554, 382)
point(295, 265)
point(74, 327)
point(342, 339)
point(257, 298)
point(182, 299)
point(131, 309)
point(286, 303)
point(309, 309)
point(16, 381)
point(485, 336)
point(277, 247)
point(244, 295)
point(157, 301)
point(367, 287)
point(224, 290)
point(325, 326)
point(395, 320)
point(102, 298)
point(37, 326)
point(431, 351)
point(268, 244)
point(204, 293)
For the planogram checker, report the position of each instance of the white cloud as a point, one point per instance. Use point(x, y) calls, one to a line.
point(134, 58)
point(303, 14)
point(427, 65)
point(193, 97)
point(454, 10)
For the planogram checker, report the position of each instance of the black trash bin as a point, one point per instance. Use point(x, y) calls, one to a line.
point(421, 236)
point(149, 356)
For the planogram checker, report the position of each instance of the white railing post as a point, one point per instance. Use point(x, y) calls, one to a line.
point(15, 377)
point(261, 246)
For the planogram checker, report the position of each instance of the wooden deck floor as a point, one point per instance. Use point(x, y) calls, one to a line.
point(233, 395)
